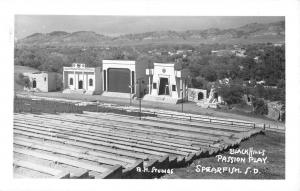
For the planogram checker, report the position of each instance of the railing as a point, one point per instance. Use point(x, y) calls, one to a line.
point(193, 117)
point(187, 117)
point(205, 119)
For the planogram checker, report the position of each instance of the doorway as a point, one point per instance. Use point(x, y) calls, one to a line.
point(216, 95)
point(80, 84)
point(164, 86)
point(33, 84)
point(200, 96)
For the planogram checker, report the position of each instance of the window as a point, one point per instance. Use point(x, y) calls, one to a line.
point(71, 81)
point(45, 79)
point(90, 82)
point(154, 85)
point(173, 88)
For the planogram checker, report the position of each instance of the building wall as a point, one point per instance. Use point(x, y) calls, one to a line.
point(85, 75)
point(52, 83)
point(98, 80)
point(142, 79)
point(45, 82)
point(122, 64)
point(165, 71)
point(68, 76)
point(193, 95)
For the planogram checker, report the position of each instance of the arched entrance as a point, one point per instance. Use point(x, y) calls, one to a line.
point(33, 84)
point(80, 84)
point(200, 96)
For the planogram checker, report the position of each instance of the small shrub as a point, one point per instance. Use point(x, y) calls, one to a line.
point(23, 80)
point(260, 107)
point(231, 94)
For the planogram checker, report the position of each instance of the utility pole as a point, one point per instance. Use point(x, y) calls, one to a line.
point(140, 100)
point(187, 91)
point(182, 88)
point(130, 88)
point(182, 101)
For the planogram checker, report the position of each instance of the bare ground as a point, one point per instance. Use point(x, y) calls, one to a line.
point(272, 142)
point(187, 107)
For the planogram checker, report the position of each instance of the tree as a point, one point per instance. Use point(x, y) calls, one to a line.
point(259, 106)
point(232, 94)
point(23, 81)
point(199, 82)
point(209, 73)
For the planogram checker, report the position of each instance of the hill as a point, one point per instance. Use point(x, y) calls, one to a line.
point(247, 34)
point(21, 69)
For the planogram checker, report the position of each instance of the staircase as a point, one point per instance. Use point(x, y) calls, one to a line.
point(86, 92)
point(161, 99)
point(117, 94)
point(69, 91)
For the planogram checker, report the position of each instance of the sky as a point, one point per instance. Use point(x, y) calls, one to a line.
point(116, 25)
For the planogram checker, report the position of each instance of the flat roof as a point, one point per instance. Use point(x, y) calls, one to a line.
point(130, 62)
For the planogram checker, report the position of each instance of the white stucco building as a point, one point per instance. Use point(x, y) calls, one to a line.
point(41, 81)
point(197, 95)
point(82, 79)
point(203, 98)
point(123, 78)
point(167, 84)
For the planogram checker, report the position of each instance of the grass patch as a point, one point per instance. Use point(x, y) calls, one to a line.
point(45, 106)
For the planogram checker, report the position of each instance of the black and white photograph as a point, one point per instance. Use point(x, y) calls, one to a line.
point(190, 97)
point(151, 96)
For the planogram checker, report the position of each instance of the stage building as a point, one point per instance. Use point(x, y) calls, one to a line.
point(41, 81)
point(82, 79)
point(123, 78)
point(168, 83)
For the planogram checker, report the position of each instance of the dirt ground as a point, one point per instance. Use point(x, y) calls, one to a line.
point(188, 107)
point(272, 142)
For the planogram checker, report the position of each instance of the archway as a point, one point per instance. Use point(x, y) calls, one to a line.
point(33, 84)
point(80, 84)
point(200, 96)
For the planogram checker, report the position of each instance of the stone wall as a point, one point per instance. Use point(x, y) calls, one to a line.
point(197, 95)
point(276, 111)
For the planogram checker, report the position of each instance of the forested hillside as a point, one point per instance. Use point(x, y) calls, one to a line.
point(251, 68)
